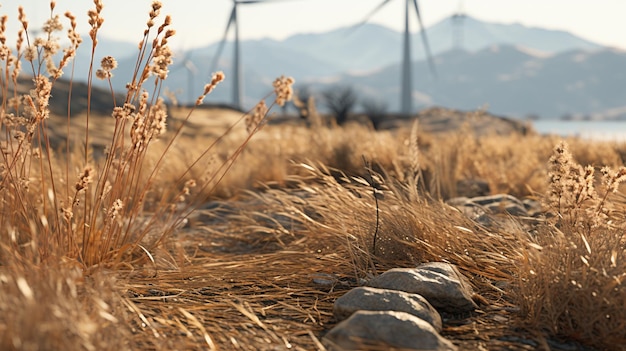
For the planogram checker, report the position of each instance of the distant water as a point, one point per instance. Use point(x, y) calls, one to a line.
point(595, 130)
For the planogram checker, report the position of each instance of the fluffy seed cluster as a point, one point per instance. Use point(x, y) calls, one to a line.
point(612, 180)
point(53, 25)
point(75, 40)
point(137, 130)
point(162, 54)
point(46, 47)
point(572, 194)
point(115, 209)
point(4, 49)
point(255, 120)
point(570, 183)
point(84, 179)
point(190, 184)
point(67, 213)
point(41, 96)
point(149, 122)
point(107, 65)
point(50, 47)
point(158, 118)
point(161, 61)
point(95, 20)
point(208, 88)
point(283, 89)
point(154, 13)
point(30, 54)
point(74, 37)
point(125, 112)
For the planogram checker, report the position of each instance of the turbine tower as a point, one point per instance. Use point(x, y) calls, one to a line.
point(458, 20)
point(188, 65)
point(237, 78)
point(406, 101)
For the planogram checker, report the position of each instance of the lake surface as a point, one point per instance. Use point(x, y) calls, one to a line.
point(596, 130)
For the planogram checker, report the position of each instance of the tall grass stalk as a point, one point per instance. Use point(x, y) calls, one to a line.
point(97, 211)
point(571, 272)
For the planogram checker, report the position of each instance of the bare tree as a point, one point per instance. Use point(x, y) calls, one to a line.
point(301, 100)
point(375, 110)
point(340, 100)
point(304, 101)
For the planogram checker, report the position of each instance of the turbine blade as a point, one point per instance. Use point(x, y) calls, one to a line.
point(220, 48)
point(191, 67)
point(429, 56)
point(369, 16)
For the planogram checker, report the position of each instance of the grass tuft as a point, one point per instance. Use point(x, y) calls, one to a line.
point(270, 228)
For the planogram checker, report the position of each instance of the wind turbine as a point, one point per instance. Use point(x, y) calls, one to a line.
point(406, 103)
point(237, 73)
point(188, 65)
point(458, 20)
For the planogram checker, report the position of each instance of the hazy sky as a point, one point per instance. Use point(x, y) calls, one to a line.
point(201, 22)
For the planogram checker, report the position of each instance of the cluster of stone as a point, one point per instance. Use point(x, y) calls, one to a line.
point(400, 309)
point(494, 209)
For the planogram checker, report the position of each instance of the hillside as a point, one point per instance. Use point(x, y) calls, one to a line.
point(511, 81)
point(509, 68)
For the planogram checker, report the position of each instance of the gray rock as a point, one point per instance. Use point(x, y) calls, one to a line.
point(496, 199)
point(382, 330)
point(468, 208)
point(472, 187)
point(372, 299)
point(483, 209)
point(533, 207)
point(440, 283)
point(508, 208)
point(502, 203)
point(458, 201)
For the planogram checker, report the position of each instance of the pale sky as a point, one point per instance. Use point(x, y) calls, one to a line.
point(201, 22)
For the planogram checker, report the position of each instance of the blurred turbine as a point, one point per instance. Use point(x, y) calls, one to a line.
point(406, 101)
point(191, 69)
point(236, 64)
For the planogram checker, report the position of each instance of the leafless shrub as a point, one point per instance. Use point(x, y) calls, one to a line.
point(375, 110)
point(340, 101)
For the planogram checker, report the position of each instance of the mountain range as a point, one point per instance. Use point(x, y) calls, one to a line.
point(509, 69)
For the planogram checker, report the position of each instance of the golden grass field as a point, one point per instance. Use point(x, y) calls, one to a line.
point(154, 227)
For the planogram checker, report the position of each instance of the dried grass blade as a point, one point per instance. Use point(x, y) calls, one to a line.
point(586, 243)
point(254, 318)
point(306, 166)
point(131, 306)
point(316, 341)
point(156, 270)
point(25, 289)
point(193, 320)
point(250, 314)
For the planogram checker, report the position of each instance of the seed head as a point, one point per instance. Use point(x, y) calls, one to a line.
point(108, 63)
point(215, 80)
point(115, 209)
point(283, 89)
point(254, 121)
point(85, 178)
point(53, 25)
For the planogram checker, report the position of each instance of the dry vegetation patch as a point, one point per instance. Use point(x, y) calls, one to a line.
point(206, 232)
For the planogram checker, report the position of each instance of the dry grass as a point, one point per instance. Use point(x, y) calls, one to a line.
point(572, 269)
point(138, 237)
point(57, 307)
